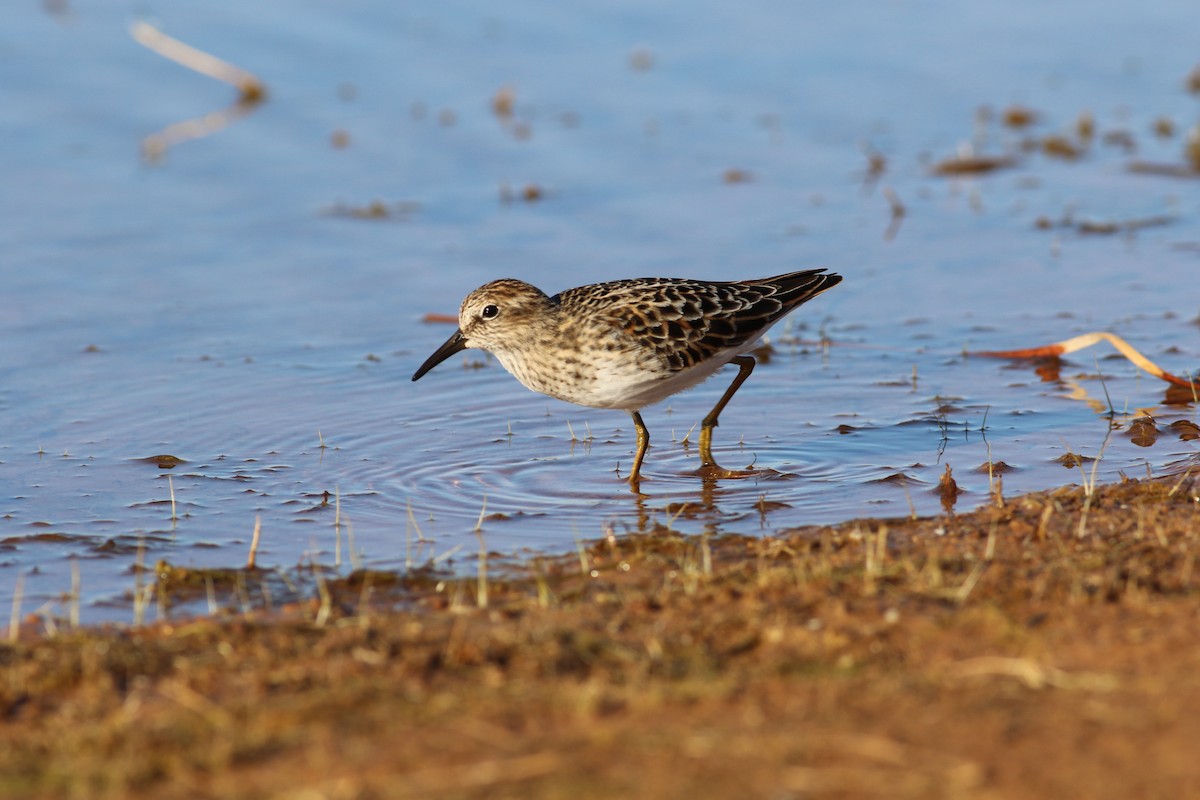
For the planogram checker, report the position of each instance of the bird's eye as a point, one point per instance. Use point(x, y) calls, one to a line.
point(490, 311)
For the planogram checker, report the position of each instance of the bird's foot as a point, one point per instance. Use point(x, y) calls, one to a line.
point(713, 471)
point(635, 485)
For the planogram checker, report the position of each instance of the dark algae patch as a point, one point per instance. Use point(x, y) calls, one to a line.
point(1042, 646)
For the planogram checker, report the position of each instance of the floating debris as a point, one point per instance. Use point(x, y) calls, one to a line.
point(1193, 80)
point(947, 489)
point(376, 209)
point(1073, 460)
point(1188, 431)
point(641, 60)
point(1059, 146)
point(503, 102)
point(530, 193)
point(1018, 117)
point(969, 164)
point(1143, 432)
point(1097, 227)
point(163, 461)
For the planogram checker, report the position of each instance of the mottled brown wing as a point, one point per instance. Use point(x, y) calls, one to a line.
point(686, 322)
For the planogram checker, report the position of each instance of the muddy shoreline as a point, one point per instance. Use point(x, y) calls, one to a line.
point(1044, 645)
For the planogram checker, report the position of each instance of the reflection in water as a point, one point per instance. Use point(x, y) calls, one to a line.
point(1143, 430)
point(156, 145)
point(703, 507)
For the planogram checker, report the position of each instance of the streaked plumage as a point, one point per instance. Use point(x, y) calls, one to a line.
point(627, 344)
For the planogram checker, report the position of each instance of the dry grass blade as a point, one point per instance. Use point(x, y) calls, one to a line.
point(1087, 340)
point(1032, 674)
point(14, 620)
point(483, 774)
point(192, 700)
point(481, 579)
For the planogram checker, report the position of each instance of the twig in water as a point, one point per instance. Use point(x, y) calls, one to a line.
point(448, 554)
point(1112, 412)
point(1087, 340)
point(251, 88)
point(250, 560)
point(688, 435)
point(912, 508)
point(139, 609)
point(482, 512)
point(413, 521)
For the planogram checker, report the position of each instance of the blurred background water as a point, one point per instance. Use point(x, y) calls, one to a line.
point(251, 302)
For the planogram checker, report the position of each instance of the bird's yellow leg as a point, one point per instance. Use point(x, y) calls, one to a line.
point(707, 463)
point(643, 442)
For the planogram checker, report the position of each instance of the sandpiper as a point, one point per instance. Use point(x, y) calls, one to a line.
point(627, 344)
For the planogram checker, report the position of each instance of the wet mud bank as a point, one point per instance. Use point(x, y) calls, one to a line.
point(1042, 645)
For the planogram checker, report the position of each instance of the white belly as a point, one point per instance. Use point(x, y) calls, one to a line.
point(618, 383)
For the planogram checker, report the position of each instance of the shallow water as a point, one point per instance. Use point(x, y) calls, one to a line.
point(224, 307)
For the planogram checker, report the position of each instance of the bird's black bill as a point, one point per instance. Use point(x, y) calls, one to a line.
point(453, 345)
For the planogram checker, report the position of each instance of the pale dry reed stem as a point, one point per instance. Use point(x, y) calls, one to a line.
point(251, 560)
point(197, 60)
